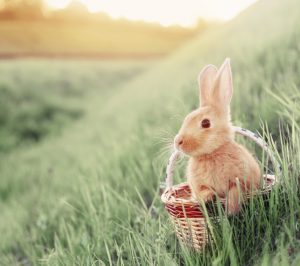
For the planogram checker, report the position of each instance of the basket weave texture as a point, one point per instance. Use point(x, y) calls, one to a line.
point(185, 212)
point(187, 216)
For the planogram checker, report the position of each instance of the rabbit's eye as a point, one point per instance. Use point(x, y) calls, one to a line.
point(205, 123)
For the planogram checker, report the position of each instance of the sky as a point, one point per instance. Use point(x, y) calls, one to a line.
point(165, 12)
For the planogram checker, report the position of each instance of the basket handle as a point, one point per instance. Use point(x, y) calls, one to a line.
point(245, 132)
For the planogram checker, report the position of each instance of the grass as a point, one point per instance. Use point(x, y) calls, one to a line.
point(48, 100)
point(90, 196)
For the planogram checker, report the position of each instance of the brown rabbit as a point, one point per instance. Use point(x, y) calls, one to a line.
point(217, 164)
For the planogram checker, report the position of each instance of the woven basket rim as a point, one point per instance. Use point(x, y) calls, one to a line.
point(168, 197)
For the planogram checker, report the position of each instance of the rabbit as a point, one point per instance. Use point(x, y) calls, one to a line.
point(217, 164)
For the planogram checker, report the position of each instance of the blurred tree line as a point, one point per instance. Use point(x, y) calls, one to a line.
point(74, 12)
point(37, 10)
point(20, 9)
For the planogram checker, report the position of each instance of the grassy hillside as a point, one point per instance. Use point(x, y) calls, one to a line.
point(104, 39)
point(39, 98)
point(91, 196)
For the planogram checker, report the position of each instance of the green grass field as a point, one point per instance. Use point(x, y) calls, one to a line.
point(40, 97)
point(88, 195)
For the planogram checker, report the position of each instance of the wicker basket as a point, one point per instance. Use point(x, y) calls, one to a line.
point(185, 212)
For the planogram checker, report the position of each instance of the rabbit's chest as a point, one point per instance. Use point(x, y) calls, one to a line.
point(215, 174)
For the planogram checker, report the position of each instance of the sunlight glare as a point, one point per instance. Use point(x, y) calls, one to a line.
point(166, 12)
point(92, 5)
point(58, 4)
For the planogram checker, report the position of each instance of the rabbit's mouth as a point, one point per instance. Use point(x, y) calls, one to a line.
point(188, 146)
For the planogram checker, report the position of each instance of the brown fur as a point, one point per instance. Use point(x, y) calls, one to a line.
point(216, 161)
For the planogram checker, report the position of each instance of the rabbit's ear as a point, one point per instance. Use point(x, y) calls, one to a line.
point(223, 88)
point(206, 80)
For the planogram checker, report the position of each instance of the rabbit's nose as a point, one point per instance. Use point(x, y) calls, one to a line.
point(178, 141)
